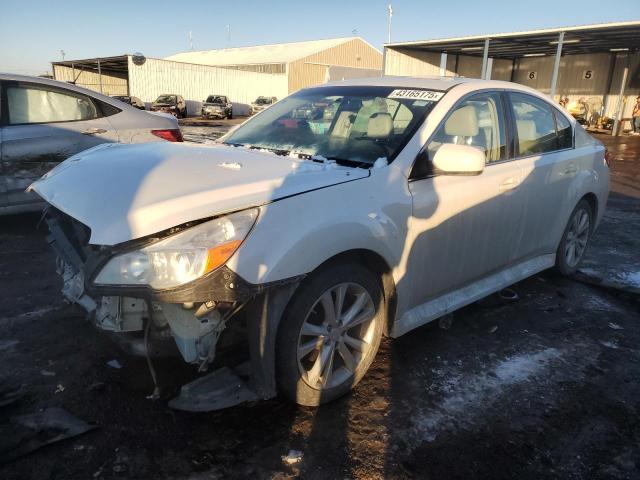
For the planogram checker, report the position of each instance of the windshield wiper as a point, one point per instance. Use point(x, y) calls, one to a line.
point(350, 163)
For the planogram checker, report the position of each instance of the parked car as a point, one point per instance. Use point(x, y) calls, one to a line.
point(131, 100)
point(43, 122)
point(170, 103)
point(421, 196)
point(261, 103)
point(218, 106)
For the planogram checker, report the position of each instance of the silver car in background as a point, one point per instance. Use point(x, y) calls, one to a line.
point(43, 122)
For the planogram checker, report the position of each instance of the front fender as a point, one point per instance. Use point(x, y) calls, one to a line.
point(294, 236)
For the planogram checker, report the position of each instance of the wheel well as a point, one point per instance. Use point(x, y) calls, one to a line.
point(593, 203)
point(379, 267)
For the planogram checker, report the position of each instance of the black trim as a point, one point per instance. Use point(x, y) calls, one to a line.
point(220, 285)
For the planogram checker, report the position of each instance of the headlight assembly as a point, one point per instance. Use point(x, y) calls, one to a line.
point(182, 257)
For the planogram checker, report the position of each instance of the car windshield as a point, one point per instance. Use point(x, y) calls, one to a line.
point(166, 99)
point(349, 124)
point(214, 99)
point(263, 101)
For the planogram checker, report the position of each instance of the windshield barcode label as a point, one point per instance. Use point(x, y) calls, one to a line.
point(417, 94)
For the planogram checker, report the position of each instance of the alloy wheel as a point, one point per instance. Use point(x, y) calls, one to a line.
point(577, 237)
point(336, 336)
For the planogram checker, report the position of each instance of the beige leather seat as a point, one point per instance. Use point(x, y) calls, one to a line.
point(380, 125)
point(462, 124)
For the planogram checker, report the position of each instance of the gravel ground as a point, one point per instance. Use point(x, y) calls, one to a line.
point(544, 387)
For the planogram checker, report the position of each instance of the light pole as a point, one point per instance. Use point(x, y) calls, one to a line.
point(390, 12)
point(63, 54)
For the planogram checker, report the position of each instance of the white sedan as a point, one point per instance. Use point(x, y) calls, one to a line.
point(44, 122)
point(342, 213)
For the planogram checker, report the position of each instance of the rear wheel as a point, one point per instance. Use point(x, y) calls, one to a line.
point(330, 334)
point(575, 239)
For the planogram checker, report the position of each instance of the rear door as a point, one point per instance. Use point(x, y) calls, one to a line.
point(462, 226)
point(44, 125)
point(544, 147)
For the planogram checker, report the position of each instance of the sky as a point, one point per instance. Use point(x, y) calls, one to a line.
point(32, 33)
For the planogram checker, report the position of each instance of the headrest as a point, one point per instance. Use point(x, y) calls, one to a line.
point(380, 125)
point(526, 130)
point(462, 123)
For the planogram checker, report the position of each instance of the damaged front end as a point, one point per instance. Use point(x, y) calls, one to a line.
point(140, 287)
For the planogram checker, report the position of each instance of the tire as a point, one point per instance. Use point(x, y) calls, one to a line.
point(333, 356)
point(575, 238)
point(230, 115)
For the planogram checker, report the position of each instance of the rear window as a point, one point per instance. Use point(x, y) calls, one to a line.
point(535, 125)
point(34, 104)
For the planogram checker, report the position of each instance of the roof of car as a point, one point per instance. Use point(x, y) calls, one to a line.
point(432, 83)
point(55, 83)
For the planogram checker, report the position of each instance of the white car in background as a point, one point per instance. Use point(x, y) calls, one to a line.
point(43, 122)
point(312, 236)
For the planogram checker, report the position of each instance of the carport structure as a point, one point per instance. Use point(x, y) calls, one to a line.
point(597, 60)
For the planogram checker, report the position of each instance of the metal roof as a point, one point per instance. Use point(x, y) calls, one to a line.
point(604, 37)
point(113, 64)
point(260, 54)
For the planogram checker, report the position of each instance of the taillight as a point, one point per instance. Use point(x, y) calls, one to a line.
point(170, 135)
point(607, 157)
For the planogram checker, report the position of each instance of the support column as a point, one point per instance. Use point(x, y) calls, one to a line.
point(556, 66)
point(443, 64)
point(100, 76)
point(485, 58)
point(617, 124)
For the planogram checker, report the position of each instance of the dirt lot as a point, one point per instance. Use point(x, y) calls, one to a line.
point(545, 387)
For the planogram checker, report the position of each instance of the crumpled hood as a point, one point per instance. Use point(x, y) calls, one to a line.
point(123, 192)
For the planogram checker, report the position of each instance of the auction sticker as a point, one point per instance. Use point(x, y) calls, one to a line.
point(417, 94)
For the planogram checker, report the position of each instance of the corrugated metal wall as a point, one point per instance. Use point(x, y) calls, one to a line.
point(312, 70)
point(581, 76)
point(425, 64)
point(113, 83)
point(414, 63)
point(196, 82)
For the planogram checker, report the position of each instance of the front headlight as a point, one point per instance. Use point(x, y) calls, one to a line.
point(182, 257)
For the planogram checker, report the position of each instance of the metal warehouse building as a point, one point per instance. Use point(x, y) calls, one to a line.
point(600, 63)
point(242, 73)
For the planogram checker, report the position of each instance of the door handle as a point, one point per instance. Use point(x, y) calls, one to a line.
point(508, 184)
point(93, 131)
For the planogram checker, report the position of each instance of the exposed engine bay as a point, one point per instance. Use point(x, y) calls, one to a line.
point(195, 326)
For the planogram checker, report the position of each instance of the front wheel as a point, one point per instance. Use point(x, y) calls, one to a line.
point(330, 334)
point(575, 239)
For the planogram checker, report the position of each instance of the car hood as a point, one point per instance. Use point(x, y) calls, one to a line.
point(163, 104)
point(209, 104)
point(124, 192)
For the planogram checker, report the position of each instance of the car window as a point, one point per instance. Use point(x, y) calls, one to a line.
point(477, 122)
point(534, 124)
point(27, 104)
point(347, 124)
point(565, 132)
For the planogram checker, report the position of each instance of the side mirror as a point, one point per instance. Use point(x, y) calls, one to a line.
point(451, 159)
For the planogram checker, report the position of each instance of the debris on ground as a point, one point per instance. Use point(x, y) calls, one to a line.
point(114, 364)
point(614, 326)
point(27, 433)
point(59, 388)
point(293, 457)
point(493, 329)
point(446, 321)
point(47, 373)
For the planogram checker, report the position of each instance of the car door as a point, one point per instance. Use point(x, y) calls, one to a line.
point(44, 125)
point(461, 226)
point(544, 147)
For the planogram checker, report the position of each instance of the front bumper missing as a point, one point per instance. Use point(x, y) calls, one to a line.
point(192, 312)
